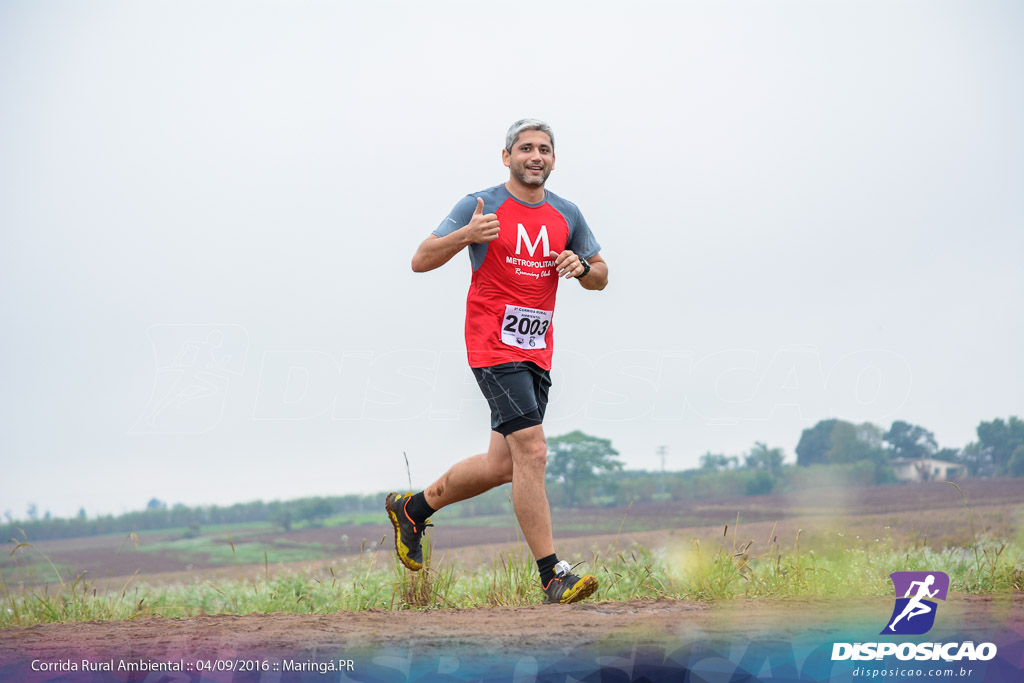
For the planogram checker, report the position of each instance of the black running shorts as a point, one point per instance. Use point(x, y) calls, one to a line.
point(517, 394)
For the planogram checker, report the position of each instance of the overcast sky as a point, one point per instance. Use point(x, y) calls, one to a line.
point(809, 210)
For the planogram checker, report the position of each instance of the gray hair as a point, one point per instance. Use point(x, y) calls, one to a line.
point(527, 124)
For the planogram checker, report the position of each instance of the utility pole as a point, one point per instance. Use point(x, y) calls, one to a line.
point(662, 450)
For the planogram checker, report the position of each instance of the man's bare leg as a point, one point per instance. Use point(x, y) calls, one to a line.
point(529, 454)
point(472, 476)
point(530, 498)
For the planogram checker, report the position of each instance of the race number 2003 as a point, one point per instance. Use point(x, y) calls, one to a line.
point(525, 327)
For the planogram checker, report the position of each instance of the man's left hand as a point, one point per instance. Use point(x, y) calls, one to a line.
point(567, 263)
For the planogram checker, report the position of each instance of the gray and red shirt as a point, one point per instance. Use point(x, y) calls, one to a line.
point(511, 298)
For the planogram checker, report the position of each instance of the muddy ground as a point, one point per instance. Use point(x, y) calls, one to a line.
point(500, 637)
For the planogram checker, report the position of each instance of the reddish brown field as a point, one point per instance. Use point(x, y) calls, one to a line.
point(929, 513)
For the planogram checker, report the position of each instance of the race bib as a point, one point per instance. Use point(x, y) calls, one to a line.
point(525, 327)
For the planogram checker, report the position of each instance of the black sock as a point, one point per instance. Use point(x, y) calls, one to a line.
point(546, 566)
point(418, 509)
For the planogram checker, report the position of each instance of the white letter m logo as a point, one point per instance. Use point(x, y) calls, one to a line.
point(542, 236)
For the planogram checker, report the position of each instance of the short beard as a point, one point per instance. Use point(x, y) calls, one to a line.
point(526, 179)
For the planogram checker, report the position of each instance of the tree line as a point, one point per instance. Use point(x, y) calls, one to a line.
point(585, 470)
point(999, 450)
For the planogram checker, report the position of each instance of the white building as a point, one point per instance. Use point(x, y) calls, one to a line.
point(926, 469)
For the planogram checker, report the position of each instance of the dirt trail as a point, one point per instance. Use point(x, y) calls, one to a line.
point(504, 629)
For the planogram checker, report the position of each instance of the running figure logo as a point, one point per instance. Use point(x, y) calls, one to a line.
point(914, 613)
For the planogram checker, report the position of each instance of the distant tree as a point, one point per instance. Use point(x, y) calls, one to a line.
point(871, 435)
point(948, 454)
point(1016, 464)
point(978, 460)
point(313, 510)
point(910, 441)
point(8, 516)
point(1001, 438)
point(81, 513)
point(715, 462)
point(759, 484)
point(283, 519)
point(576, 458)
point(33, 511)
point(853, 443)
point(156, 504)
point(844, 446)
point(815, 443)
point(763, 458)
point(837, 442)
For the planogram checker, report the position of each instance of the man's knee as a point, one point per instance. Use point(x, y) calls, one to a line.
point(536, 455)
point(529, 448)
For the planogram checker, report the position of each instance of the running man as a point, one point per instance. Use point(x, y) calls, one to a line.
point(521, 239)
point(916, 606)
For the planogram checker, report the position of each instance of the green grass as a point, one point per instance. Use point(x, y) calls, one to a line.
point(353, 519)
point(374, 579)
point(218, 550)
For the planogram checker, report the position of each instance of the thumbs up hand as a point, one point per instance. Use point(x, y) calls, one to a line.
point(482, 227)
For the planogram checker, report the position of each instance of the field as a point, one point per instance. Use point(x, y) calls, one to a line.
point(931, 514)
point(797, 566)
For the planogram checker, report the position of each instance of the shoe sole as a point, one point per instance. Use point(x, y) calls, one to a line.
point(404, 559)
point(586, 587)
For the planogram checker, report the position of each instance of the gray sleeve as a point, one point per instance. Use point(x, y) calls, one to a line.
point(581, 240)
point(459, 216)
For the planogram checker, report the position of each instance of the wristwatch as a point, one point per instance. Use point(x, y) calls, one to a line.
point(586, 268)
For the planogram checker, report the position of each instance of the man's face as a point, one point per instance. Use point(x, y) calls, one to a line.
point(532, 158)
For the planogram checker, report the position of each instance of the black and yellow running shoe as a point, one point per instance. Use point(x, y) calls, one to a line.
point(566, 587)
point(407, 532)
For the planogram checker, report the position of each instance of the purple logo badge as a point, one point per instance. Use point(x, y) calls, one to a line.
point(916, 593)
